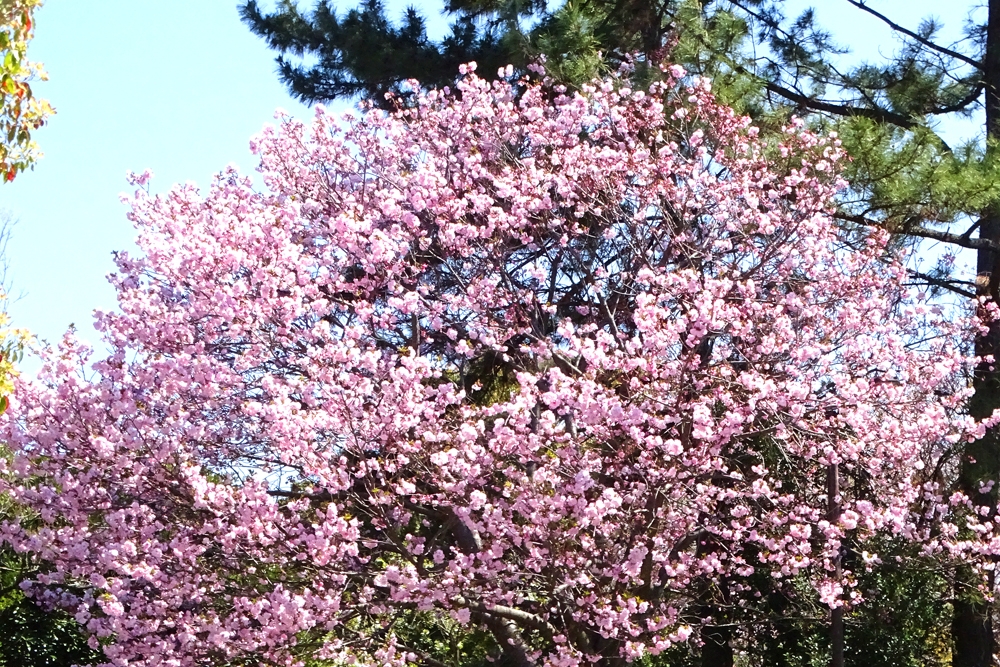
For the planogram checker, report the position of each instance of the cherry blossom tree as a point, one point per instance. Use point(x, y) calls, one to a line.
point(568, 371)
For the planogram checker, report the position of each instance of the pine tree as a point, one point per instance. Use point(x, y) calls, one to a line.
point(363, 53)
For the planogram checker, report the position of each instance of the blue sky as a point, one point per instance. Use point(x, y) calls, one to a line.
point(177, 86)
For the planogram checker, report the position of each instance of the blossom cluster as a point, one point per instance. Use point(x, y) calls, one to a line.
point(550, 365)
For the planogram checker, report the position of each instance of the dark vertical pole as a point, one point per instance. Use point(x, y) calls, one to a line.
point(972, 623)
point(837, 615)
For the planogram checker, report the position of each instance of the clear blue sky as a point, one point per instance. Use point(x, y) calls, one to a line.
point(178, 86)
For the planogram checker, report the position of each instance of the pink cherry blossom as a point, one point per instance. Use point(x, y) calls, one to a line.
point(541, 363)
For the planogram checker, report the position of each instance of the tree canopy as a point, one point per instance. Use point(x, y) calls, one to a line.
point(570, 372)
point(905, 175)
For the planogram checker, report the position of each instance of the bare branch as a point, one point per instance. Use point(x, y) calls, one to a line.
point(846, 110)
point(926, 233)
point(950, 285)
point(973, 227)
point(973, 95)
point(917, 37)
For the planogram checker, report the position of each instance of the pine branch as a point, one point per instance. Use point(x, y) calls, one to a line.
point(877, 113)
point(874, 111)
point(916, 36)
point(954, 239)
point(846, 110)
point(920, 231)
point(973, 95)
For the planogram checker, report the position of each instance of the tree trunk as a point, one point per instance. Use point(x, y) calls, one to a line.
point(716, 631)
point(972, 632)
point(836, 615)
point(716, 650)
point(972, 624)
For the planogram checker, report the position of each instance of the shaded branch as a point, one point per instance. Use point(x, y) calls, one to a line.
point(509, 640)
point(525, 618)
point(423, 656)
